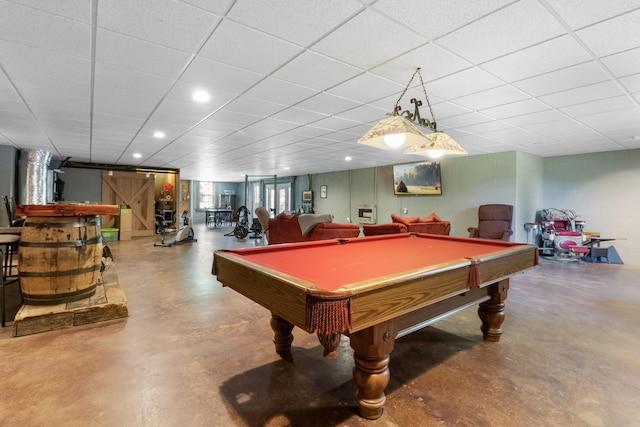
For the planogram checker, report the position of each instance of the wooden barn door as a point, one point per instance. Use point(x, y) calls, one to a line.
point(135, 191)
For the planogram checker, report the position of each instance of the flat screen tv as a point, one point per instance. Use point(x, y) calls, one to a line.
point(419, 179)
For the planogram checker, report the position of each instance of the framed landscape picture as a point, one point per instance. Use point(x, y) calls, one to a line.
point(420, 179)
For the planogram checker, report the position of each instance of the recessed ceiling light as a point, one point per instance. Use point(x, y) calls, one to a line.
point(287, 168)
point(348, 158)
point(201, 96)
point(137, 155)
point(158, 134)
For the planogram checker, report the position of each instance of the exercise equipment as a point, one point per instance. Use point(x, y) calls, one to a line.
point(184, 235)
point(241, 229)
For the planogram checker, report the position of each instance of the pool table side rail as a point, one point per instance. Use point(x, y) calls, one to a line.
point(264, 286)
point(405, 293)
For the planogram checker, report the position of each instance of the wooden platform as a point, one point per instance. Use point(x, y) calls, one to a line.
point(108, 303)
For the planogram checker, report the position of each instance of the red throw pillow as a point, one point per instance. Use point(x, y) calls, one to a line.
point(403, 220)
point(431, 218)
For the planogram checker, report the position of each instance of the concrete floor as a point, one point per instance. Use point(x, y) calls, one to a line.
point(193, 353)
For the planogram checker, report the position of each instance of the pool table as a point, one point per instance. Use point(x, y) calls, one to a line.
point(374, 290)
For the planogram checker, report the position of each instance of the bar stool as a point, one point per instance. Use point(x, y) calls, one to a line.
point(6, 242)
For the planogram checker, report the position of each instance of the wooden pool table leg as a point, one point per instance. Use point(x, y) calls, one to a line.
point(491, 312)
point(282, 337)
point(371, 372)
point(330, 343)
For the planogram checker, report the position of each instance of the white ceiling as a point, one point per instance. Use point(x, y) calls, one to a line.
point(295, 83)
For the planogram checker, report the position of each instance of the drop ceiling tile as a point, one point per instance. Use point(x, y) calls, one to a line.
point(580, 13)
point(138, 55)
point(463, 83)
point(218, 7)
point(128, 79)
point(483, 128)
point(544, 116)
point(433, 61)
point(56, 100)
point(255, 106)
point(77, 10)
point(363, 114)
point(415, 13)
point(612, 119)
point(461, 121)
point(491, 98)
point(567, 78)
point(298, 115)
point(326, 103)
point(511, 136)
point(246, 48)
point(443, 110)
point(280, 91)
point(210, 135)
point(542, 58)
point(212, 76)
point(334, 137)
point(258, 132)
point(298, 22)
point(309, 131)
point(171, 131)
point(594, 92)
point(469, 142)
point(600, 106)
point(218, 125)
point(44, 30)
point(373, 40)
point(42, 68)
point(367, 87)
point(158, 21)
point(106, 122)
point(183, 93)
point(131, 99)
point(167, 113)
point(624, 63)
point(234, 117)
point(559, 129)
point(599, 36)
point(316, 71)
point(514, 27)
point(514, 109)
point(271, 123)
point(631, 83)
point(104, 106)
point(334, 124)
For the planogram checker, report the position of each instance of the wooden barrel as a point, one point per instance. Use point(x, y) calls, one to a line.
point(59, 258)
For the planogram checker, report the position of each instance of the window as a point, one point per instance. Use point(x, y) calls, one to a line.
point(205, 196)
point(283, 199)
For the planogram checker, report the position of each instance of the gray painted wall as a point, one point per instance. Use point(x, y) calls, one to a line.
point(82, 185)
point(8, 175)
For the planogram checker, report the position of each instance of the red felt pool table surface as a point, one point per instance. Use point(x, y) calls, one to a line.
point(330, 265)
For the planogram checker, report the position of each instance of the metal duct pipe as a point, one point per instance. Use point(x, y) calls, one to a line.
point(34, 177)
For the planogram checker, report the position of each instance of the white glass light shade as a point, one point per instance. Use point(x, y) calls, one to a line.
point(395, 140)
